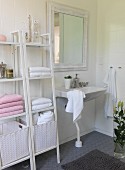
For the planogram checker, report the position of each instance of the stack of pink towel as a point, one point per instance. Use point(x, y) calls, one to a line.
point(11, 104)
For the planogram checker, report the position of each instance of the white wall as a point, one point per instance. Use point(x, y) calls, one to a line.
point(67, 129)
point(88, 75)
point(14, 15)
point(110, 52)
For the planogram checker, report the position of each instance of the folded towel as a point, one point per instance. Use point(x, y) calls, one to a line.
point(11, 113)
point(47, 114)
point(38, 74)
point(75, 103)
point(8, 98)
point(111, 93)
point(40, 101)
point(45, 117)
point(39, 69)
point(43, 106)
point(6, 105)
point(11, 109)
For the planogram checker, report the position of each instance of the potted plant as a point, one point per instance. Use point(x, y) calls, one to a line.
point(67, 79)
point(119, 130)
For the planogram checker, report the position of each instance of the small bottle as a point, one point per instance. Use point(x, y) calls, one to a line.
point(2, 70)
point(9, 73)
point(75, 83)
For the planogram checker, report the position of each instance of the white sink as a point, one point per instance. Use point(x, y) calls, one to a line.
point(91, 92)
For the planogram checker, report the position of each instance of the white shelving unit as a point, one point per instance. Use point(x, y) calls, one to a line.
point(15, 138)
point(24, 141)
point(44, 137)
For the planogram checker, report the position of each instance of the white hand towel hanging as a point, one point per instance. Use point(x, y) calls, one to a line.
point(111, 93)
point(75, 103)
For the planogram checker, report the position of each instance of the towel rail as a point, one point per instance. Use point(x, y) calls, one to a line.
point(118, 67)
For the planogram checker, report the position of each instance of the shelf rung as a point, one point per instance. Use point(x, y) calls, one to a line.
point(42, 77)
point(12, 116)
point(37, 45)
point(16, 162)
point(9, 43)
point(11, 79)
point(42, 110)
point(45, 150)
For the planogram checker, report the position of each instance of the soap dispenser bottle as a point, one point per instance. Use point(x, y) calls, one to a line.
point(76, 82)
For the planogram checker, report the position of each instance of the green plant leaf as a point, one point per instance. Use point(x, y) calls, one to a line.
point(116, 120)
point(119, 104)
point(121, 113)
point(68, 77)
point(119, 119)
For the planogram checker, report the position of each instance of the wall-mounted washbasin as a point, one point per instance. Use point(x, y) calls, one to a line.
point(91, 92)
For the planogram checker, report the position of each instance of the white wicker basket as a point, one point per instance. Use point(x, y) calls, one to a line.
point(13, 142)
point(44, 136)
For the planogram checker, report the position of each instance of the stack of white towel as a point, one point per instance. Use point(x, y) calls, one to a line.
point(45, 117)
point(40, 103)
point(39, 71)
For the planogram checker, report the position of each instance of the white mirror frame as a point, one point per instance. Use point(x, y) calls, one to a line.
point(56, 7)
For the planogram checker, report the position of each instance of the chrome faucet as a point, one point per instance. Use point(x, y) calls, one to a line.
point(83, 84)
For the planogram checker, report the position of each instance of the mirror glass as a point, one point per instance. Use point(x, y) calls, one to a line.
point(69, 34)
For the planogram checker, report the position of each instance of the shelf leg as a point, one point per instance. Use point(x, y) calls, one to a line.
point(57, 149)
point(0, 163)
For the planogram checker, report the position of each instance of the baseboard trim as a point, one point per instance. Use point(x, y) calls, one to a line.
point(104, 132)
point(86, 132)
point(74, 136)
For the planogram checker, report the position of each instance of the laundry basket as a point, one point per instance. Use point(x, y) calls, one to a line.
point(13, 142)
point(44, 136)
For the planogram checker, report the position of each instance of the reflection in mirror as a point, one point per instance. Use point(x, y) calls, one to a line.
point(68, 31)
point(69, 34)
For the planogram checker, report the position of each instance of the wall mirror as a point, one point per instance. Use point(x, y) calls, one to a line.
point(68, 27)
